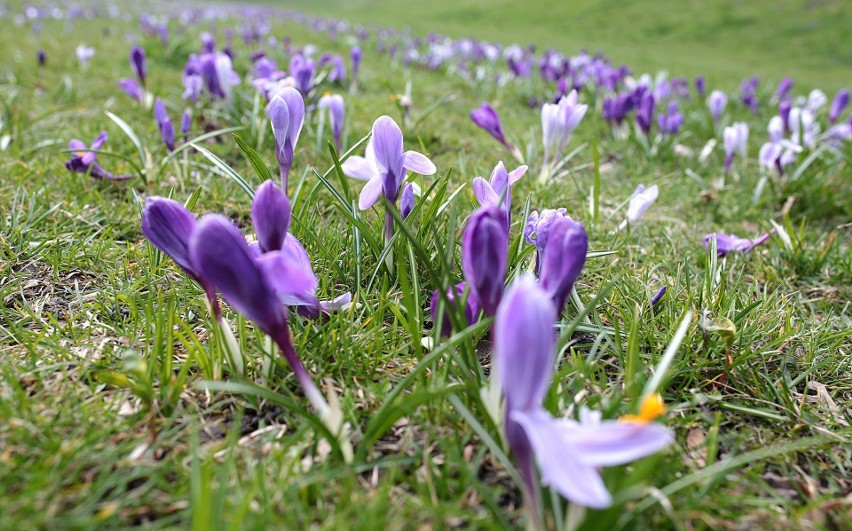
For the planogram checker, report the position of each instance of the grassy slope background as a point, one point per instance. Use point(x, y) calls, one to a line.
point(726, 40)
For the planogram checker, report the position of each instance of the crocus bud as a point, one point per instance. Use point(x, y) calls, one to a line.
point(167, 130)
point(131, 87)
point(485, 246)
point(42, 58)
point(406, 200)
point(640, 201)
point(487, 118)
point(286, 112)
point(716, 102)
point(137, 63)
point(783, 91)
point(838, 105)
point(186, 123)
point(355, 56)
point(700, 86)
point(563, 259)
point(270, 215)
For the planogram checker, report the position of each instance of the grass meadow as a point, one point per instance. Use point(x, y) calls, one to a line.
point(118, 409)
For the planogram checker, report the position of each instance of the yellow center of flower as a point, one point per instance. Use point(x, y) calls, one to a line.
point(652, 406)
point(327, 94)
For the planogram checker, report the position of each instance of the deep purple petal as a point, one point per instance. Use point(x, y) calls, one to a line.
point(168, 225)
point(485, 245)
point(270, 216)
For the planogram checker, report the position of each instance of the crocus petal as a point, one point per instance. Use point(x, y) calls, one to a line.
point(168, 225)
point(485, 245)
point(484, 193)
point(418, 163)
point(220, 253)
point(370, 193)
point(387, 145)
point(516, 174)
point(279, 117)
point(359, 168)
point(294, 283)
point(524, 342)
point(614, 442)
point(270, 216)
point(406, 200)
point(563, 259)
point(336, 304)
point(77, 145)
point(296, 107)
point(560, 465)
point(90, 156)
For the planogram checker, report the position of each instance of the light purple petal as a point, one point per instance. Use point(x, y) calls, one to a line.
point(615, 442)
point(560, 464)
point(524, 343)
point(516, 174)
point(370, 193)
point(484, 193)
point(336, 304)
point(387, 145)
point(359, 168)
point(270, 216)
point(294, 283)
point(296, 108)
point(418, 163)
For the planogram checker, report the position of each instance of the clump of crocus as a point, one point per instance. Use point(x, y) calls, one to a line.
point(497, 191)
point(488, 120)
point(167, 130)
point(716, 102)
point(384, 167)
point(569, 454)
point(640, 201)
point(778, 152)
point(485, 248)
point(670, 121)
point(83, 159)
point(84, 54)
point(217, 73)
point(286, 112)
point(303, 69)
point(334, 104)
point(727, 243)
point(558, 121)
point(736, 141)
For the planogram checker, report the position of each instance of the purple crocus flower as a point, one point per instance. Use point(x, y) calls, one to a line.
point(406, 200)
point(219, 252)
point(487, 119)
point(384, 167)
point(334, 104)
point(717, 102)
point(303, 69)
point(670, 121)
point(454, 293)
point(338, 70)
point(355, 56)
point(558, 122)
point(658, 296)
point(42, 58)
point(640, 201)
point(563, 259)
point(217, 72)
point(778, 152)
point(726, 243)
point(569, 454)
point(700, 86)
point(167, 130)
point(748, 93)
point(497, 191)
point(83, 159)
point(186, 124)
point(816, 100)
point(645, 111)
point(84, 54)
point(131, 87)
point(736, 141)
point(208, 42)
point(485, 247)
point(168, 225)
point(137, 63)
point(782, 93)
point(838, 105)
point(537, 229)
point(286, 112)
